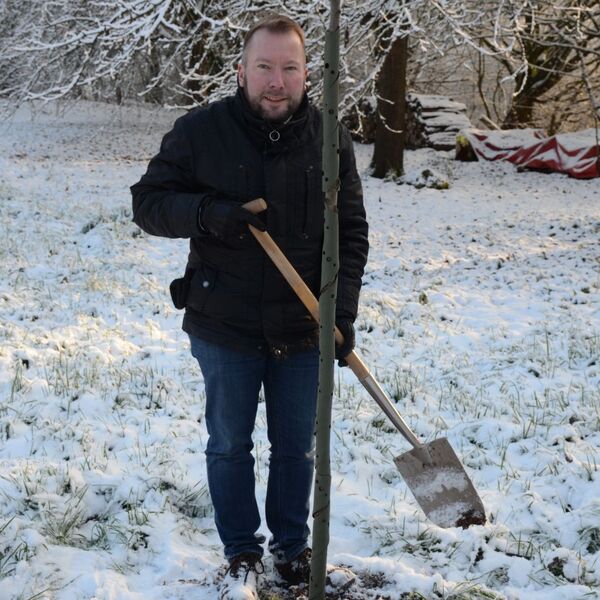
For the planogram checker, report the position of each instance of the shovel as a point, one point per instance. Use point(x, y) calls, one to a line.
point(432, 471)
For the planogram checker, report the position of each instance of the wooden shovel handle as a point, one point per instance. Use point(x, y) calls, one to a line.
point(297, 284)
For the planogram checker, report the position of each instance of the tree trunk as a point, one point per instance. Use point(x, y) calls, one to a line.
point(388, 155)
point(532, 87)
point(520, 114)
point(201, 60)
point(327, 300)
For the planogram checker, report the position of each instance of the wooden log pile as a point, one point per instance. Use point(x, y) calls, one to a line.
point(434, 121)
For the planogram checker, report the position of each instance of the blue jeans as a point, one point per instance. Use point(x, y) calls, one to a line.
point(232, 381)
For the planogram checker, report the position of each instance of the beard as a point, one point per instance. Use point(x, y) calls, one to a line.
point(272, 116)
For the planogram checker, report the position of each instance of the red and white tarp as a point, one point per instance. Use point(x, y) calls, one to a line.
point(577, 154)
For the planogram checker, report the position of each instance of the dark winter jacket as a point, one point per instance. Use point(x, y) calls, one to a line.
point(232, 294)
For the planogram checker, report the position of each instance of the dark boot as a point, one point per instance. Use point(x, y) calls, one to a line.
point(296, 571)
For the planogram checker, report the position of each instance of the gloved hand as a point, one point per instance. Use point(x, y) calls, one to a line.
point(346, 328)
point(226, 219)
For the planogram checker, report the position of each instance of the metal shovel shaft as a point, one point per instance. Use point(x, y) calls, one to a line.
point(376, 392)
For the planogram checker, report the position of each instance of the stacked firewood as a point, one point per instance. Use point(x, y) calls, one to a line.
point(434, 121)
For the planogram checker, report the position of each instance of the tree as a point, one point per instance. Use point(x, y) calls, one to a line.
point(186, 48)
point(545, 48)
point(558, 42)
point(327, 303)
point(130, 48)
point(183, 52)
point(388, 155)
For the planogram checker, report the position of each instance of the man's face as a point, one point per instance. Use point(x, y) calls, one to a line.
point(273, 74)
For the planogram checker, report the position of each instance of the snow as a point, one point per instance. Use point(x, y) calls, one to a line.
point(444, 479)
point(575, 154)
point(435, 102)
point(577, 139)
point(508, 139)
point(479, 316)
point(444, 138)
point(441, 120)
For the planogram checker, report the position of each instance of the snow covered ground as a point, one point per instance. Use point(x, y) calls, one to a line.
point(479, 315)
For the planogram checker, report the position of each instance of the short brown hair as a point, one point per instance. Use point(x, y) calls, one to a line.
point(275, 24)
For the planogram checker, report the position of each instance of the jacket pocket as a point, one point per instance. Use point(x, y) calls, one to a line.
point(180, 288)
point(202, 283)
point(307, 221)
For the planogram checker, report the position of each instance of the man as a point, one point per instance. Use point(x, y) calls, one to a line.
point(247, 328)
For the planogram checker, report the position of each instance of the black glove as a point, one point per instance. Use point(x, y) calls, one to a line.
point(346, 328)
point(226, 219)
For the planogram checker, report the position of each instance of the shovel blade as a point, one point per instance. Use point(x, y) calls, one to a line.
point(441, 486)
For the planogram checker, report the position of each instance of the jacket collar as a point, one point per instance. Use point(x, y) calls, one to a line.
point(273, 137)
